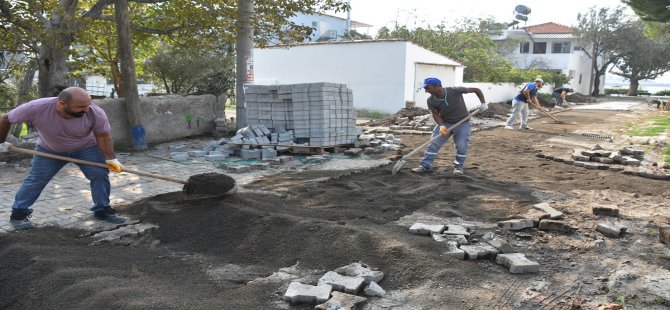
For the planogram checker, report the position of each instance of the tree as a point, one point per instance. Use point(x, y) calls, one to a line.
point(470, 43)
point(50, 28)
point(594, 32)
point(638, 56)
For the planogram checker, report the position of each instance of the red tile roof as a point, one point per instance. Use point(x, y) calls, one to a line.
point(548, 28)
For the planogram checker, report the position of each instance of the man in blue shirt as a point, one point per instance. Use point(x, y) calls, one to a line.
point(520, 104)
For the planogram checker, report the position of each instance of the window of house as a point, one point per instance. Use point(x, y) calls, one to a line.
point(524, 47)
point(540, 48)
point(576, 48)
point(560, 47)
point(314, 24)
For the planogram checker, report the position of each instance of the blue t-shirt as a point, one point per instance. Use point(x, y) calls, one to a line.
point(533, 92)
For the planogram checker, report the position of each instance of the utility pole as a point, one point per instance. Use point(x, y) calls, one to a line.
point(130, 95)
point(245, 60)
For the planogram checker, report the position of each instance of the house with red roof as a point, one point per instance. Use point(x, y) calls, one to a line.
point(552, 47)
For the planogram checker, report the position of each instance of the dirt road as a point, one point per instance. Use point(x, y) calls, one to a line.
point(227, 253)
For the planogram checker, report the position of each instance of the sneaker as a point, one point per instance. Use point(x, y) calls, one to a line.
point(420, 169)
point(458, 172)
point(20, 220)
point(509, 127)
point(109, 215)
point(526, 128)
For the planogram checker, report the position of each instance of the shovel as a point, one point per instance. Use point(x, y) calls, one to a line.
point(90, 163)
point(403, 160)
point(556, 120)
point(189, 186)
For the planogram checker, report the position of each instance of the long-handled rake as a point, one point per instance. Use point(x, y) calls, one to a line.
point(556, 120)
point(403, 159)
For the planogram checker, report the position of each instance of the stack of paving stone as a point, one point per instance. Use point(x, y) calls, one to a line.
point(339, 289)
point(320, 114)
point(421, 123)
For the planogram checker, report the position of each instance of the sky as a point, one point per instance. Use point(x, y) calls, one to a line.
point(379, 13)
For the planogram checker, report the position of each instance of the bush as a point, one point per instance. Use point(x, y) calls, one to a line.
point(665, 92)
point(616, 91)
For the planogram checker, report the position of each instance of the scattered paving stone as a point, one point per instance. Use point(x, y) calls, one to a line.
point(579, 163)
point(482, 251)
point(581, 158)
point(630, 161)
point(536, 215)
point(285, 158)
point(559, 159)
point(373, 289)
point(523, 235)
point(591, 166)
point(604, 160)
point(308, 294)
point(425, 229)
point(549, 157)
point(354, 152)
point(540, 155)
point(499, 243)
point(589, 153)
point(362, 271)
point(664, 234)
point(517, 263)
point(460, 239)
point(197, 153)
point(516, 224)
point(556, 226)
point(610, 230)
point(616, 168)
point(259, 166)
point(454, 251)
point(569, 161)
point(272, 161)
point(218, 157)
point(342, 301)
point(238, 168)
point(342, 283)
point(124, 234)
point(456, 230)
point(545, 207)
point(610, 210)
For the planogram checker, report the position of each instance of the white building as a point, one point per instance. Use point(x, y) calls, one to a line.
point(382, 74)
point(98, 85)
point(552, 46)
point(327, 27)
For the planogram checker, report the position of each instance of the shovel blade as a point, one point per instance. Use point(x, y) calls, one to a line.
point(397, 166)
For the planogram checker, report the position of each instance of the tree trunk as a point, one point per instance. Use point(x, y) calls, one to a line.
point(244, 69)
point(130, 93)
point(24, 90)
point(667, 105)
point(632, 89)
point(55, 48)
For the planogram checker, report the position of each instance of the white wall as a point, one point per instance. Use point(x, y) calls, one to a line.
point(422, 63)
point(496, 92)
point(373, 70)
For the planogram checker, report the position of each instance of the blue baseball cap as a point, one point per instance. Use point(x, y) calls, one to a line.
point(431, 81)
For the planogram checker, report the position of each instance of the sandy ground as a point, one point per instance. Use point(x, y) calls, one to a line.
point(241, 251)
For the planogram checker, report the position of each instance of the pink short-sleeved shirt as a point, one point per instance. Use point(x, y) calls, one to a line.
point(59, 134)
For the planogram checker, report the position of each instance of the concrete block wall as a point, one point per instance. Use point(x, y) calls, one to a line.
point(319, 113)
point(165, 117)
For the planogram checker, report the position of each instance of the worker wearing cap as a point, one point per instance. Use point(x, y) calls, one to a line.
point(448, 107)
point(560, 93)
point(520, 104)
point(68, 125)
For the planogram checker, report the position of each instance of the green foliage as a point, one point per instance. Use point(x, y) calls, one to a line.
point(470, 43)
point(8, 95)
point(651, 10)
point(188, 71)
point(616, 91)
point(622, 300)
point(665, 92)
point(638, 56)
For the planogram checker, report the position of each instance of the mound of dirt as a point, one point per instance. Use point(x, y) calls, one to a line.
point(410, 113)
point(209, 184)
point(495, 108)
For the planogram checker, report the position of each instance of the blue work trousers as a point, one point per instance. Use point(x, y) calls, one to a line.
point(44, 169)
point(461, 136)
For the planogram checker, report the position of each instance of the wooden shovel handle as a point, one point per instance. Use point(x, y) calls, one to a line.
point(90, 163)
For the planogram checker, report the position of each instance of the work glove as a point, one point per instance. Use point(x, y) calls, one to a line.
point(4, 147)
point(484, 106)
point(444, 130)
point(114, 165)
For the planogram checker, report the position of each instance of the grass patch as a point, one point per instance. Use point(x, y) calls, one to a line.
point(370, 114)
point(659, 125)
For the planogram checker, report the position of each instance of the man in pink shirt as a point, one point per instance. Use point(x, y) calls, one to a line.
point(68, 125)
